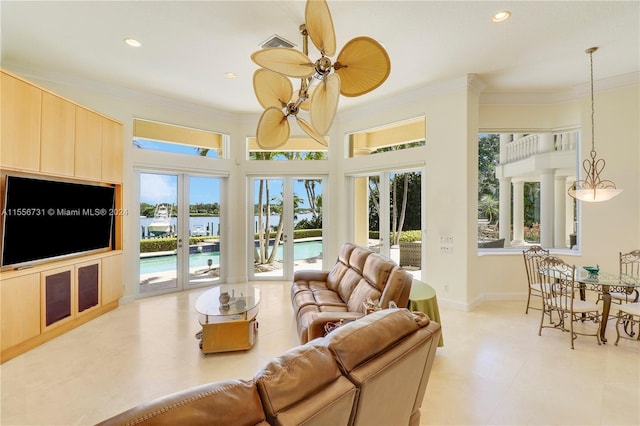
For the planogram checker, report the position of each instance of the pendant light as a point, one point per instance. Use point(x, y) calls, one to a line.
point(592, 188)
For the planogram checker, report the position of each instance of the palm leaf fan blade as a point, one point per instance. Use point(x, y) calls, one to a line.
point(324, 103)
point(273, 129)
point(320, 26)
point(271, 89)
point(286, 61)
point(309, 130)
point(362, 65)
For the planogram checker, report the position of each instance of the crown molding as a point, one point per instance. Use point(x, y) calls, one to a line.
point(573, 94)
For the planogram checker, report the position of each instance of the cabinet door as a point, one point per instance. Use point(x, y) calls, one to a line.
point(20, 134)
point(57, 136)
point(111, 151)
point(20, 309)
point(88, 144)
point(87, 292)
point(57, 297)
point(111, 279)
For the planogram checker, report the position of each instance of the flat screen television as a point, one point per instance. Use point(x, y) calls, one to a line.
point(45, 219)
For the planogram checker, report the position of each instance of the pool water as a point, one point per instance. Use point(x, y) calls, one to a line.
point(155, 264)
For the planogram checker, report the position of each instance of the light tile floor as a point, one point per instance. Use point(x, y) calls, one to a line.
point(493, 370)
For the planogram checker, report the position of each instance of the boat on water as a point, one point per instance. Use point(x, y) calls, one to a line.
point(199, 231)
point(160, 225)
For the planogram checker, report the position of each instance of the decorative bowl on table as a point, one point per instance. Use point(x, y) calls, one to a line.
point(592, 270)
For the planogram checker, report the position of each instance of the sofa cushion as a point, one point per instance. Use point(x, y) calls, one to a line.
point(370, 335)
point(363, 291)
point(305, 386)
point(358, 258)
point(376, 270)
point(336, 275)
point(229, 402)
point(348, 283)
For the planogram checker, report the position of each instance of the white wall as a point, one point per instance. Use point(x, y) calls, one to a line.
point(453, 117)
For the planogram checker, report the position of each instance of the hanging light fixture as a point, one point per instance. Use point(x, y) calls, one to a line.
point(592, 188)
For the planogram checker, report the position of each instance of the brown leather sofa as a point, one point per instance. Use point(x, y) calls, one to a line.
point(373, 371)
point(319, 297)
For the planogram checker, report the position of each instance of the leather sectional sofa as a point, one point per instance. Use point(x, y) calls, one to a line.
point(320, 297)
point(373, 371)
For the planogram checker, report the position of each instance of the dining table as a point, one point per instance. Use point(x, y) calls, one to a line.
point(605, 282)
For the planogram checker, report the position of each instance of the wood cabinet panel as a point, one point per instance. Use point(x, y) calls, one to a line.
point(20, 308)
point(57, 142)
point(20, 134)
point(88, 287)
point(57, 296)
point(112, 278)
point(111, 151)
point(88, 145)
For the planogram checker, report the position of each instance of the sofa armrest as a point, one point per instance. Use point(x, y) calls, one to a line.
point(310, 275)
point(320, 319)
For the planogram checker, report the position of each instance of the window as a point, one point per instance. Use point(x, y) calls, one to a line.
point(522, 189)
point(394, 137)
point(295, 149)
point(178, 140)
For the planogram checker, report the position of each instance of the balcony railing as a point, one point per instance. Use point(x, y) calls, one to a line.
point(533, 144)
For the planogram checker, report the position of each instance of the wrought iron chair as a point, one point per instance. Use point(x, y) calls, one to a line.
point(628, 317)
point(560, 294)
point(532, 258)
point(629, 265)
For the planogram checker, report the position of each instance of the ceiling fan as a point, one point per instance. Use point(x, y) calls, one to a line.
point(361, 66)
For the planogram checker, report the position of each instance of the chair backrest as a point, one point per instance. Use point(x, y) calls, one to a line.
point(630, 263)
point(557, 279)
point(532, 258)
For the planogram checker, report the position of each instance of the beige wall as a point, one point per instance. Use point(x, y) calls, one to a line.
point(606, 228)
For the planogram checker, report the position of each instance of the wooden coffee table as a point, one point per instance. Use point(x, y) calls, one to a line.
point(230, 326)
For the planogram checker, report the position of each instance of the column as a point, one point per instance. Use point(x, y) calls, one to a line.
point(560, 213)
point(504, 220)
point(505, 138)
point(546, 208)
point(545, 142)
point(518, 213)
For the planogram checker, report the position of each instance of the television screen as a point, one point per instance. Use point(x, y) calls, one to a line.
point(46, 219)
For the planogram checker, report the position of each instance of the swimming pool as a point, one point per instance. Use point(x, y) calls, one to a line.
point(155, 264)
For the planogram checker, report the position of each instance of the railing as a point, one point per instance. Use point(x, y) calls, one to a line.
point(532, 144)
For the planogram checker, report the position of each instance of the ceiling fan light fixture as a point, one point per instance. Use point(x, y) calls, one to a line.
point(230, 75)
point(592, 188)
point(501, 16)
point(363, 65)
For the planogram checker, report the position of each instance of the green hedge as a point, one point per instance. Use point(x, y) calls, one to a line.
point(405, 236)
point(169, 244)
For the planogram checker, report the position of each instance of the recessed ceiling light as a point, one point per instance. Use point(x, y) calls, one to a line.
point(230, 75)
point(132, 42)
point(501, 16)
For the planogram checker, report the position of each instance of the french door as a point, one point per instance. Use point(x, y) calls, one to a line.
point(285, 232)
point(179, 231)
point(388, 210)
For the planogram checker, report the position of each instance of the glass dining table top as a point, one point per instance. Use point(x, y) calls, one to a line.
point(614, 279)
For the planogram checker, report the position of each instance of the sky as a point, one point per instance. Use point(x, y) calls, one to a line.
point(158, 188)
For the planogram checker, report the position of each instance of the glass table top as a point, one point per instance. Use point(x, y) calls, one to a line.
point(241, 298)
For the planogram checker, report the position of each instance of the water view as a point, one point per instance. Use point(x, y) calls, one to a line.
point(198, 261)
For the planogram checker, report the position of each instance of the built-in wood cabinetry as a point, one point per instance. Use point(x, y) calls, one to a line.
point(45, 135)
point(57, 138)
point(21, 108)
point(43, 132)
